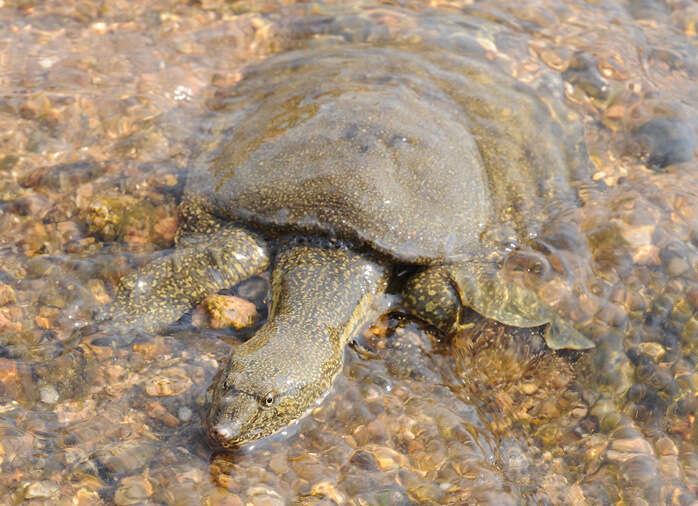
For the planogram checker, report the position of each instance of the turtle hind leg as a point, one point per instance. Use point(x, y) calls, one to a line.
point(163, 290)
point(439, 294)
point(431, 296)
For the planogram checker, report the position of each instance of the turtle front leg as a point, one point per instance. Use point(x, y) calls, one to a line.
point(163, 290)
point(439, 294)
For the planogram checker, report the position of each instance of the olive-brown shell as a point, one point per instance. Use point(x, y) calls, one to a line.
point(412, 153)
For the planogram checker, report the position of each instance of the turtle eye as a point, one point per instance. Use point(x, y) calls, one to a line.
point(268, 400)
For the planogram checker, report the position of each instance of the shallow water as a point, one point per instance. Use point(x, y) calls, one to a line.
point(102, 106)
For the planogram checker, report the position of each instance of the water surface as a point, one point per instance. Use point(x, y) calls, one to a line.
point(102, 106)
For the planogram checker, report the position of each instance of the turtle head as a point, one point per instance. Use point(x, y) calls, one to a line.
point(263, 387)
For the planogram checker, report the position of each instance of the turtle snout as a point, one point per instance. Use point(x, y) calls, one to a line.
point(224, 433)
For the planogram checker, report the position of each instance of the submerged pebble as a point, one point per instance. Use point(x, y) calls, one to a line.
point(90, 183)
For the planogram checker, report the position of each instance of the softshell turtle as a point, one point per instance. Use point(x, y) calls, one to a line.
point(339, 167)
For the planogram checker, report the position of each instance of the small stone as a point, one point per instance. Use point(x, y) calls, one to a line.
point(529, 388)
point(114, 372)
point(40, 489)
point(387, 458)
point(133, 490)
point(42, 322)
point(125, 456)
point(7, 294)
point(159, 412)
point(677, 266)
point(327, 489)
point(647, 255)
point(48, 394)
point(666, 447)
point(631, 445)
point(172, 381)
point(166, 228)
point(669, 467)
point(86, 497)
point(184, 413)
point(221, 497)
point(309, 467)
point(652, 349)
point(278, 463)
point(665, 141)
point(264, 496)
point(227, 310)
point(579, 412)
point(8, 321)
point(637, 236)
point(98, 291)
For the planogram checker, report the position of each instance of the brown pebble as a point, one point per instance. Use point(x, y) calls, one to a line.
point(159, 412)
point(666, 447)
point(227, 310)
point(387, 458)
point(98, 291)
point(579, 412)
point(152, 348)
point(133, 490)
point(327, 489)
point(631, 445)
point(221, 497)
point(264, 496)
point(615, 112)
point(85, 497)
point(8, 319)
point(279, 463)
point(529, 388)
point(7, 294)
point(40, 489)
point(42, 322)
point(172, 381)
point(166, 228)
point(647, 255)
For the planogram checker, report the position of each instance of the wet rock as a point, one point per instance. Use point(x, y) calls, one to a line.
point(264, 496)
point(583, 73)
point(159, 412)
point(7, 294)
point(40, 489)
point(309, 467)
point(278, 463)
point(364, 460)
point(85, 497)
point(634, 445)
point(48, 394)
point(648, 9)
point(387, 458)
point(184, 413)
point(665, 141)
point(328, 490)
point(171, 381)
point(133, 490)
point(227, 311)
point(125, 456)
point(222, 497)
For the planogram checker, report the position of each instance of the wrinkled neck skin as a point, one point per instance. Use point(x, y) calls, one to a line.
point(321, 296)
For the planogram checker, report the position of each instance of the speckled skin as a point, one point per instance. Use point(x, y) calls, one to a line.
point(295, 357)
point(408, 154)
